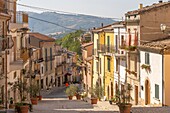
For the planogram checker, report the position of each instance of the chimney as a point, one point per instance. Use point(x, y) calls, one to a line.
point(160, 1)
point(140, 6)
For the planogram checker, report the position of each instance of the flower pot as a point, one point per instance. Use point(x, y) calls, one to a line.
point(110, 102)
point(125, 108)
point(93, 100)
point(78, 97)
point(70, 97)
point(39, 97)
point(34, 101)
point(24, 109)
point(11, 106)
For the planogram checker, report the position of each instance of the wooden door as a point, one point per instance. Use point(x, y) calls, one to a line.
point(136, 95)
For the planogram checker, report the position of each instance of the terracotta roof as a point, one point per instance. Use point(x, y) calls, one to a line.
point(157, 44)
point(41, 37)
point(87, 44)
point(108, 27)
point(147, 8)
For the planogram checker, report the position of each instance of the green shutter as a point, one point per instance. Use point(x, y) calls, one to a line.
point(108, 64)
point(156, 91)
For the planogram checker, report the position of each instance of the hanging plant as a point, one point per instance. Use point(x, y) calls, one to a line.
point(146, 67)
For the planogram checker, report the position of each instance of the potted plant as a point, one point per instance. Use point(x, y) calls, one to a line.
point(96, 93)
point(11, 101)
point(21, 107)
point(123, 98)
point(34, 90)
point(78, 93)
point(71, 91)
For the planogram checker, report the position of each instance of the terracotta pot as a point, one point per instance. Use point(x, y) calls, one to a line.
point(125, 108)
point(39, 97)
point(70, 97)
point(34, 101)
point(78, 97)
point(11, 106)
point(93, 100)
point(24, 109)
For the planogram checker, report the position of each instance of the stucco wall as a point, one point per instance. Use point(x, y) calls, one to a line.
point(151, 22)
point(155, 77)
point(166, 79)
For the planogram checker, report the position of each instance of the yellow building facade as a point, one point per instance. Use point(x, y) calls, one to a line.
point(109, 63)
point(103, 60)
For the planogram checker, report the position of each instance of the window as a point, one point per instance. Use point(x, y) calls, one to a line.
point(135, 64)
point(108, 64)
point(42, 70)
point(29, 40)
point(157, 91)
point(116, 37)
point(15, 74)
point(51, 65)
point(97, 66)
point(46, 65)
point(122, 41)
point(117, 65)
point(108, 43)
point(147, 58)
point(100, 66)
point(129, 62)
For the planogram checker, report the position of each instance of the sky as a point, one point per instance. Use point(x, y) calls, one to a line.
point(101, 8)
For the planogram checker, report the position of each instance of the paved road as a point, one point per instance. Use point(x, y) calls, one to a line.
point(56, 101)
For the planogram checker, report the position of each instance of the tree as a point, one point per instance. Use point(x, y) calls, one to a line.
point(71, 41)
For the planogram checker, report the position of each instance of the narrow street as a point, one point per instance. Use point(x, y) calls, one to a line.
point(55, 101)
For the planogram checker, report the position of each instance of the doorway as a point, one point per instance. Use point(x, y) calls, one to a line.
point(136, 95)
point(111, 89)
point(147, 92)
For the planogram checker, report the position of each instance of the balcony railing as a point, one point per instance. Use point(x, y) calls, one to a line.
point(6, 42)
point(50, 58)
point(21, 18)
point(106, 48)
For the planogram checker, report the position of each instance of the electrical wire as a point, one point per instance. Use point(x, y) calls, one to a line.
point(52, 10)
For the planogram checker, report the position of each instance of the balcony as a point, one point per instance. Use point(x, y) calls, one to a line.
point(132, 21)
point(6, 42)
point(49, 58)
point(38, 61)
point(21, 21)
point(16, 65)
point(108, 50)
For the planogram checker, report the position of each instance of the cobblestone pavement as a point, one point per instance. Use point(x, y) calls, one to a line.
point(55, 101)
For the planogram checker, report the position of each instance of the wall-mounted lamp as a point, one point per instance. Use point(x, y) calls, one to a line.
point(163, 27)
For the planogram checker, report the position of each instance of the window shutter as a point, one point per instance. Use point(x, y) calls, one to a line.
point(156, 91)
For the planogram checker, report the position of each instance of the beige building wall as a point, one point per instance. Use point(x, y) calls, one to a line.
point(166, 79)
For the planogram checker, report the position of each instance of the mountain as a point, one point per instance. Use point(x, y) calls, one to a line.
point(68, 20)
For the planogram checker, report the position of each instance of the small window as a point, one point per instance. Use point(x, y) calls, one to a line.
point(134, 16)
point(147, 58)
point(42, 70)
point(108, 64)
point(117, 65)
point(15, 74)
point(157, 91)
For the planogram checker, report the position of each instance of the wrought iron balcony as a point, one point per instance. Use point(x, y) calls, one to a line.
point(106, 48)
